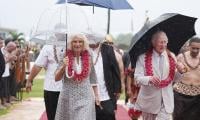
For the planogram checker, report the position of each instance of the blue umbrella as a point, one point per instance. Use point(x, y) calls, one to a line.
point(110, 4)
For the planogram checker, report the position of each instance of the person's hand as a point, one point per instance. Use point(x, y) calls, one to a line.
point(28, 86)
point(117, 95)
point(154, 81)
point(66, 61)
point(11, 57)
point(22, 55)
point(129, 92)
point(98, 102)
point(181, 67)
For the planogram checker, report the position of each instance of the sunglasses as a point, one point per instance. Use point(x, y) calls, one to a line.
point(109, 43)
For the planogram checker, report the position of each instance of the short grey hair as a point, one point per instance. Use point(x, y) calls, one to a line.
point(156, 34)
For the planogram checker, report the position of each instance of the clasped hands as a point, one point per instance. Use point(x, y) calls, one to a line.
point(155, 81)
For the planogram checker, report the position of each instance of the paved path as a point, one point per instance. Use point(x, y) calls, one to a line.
point(26, 110)
point(33, 108)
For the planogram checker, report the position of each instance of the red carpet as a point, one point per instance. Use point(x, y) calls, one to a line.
point(43, 116)
point(121, 114)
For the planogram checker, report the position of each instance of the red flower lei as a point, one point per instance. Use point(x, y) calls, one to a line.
point(85, 65)
point(149, 70)
point(134, 114)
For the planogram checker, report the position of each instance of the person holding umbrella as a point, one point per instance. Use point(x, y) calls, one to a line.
point(49, 59)
point(187, 88)
point(154, 73)
point(108, 78)
point(118, 55)
point(79, 92)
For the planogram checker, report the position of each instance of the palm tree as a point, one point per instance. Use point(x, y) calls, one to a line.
point(19, 37)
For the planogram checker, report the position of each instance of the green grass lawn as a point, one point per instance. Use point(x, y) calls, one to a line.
point(122, 96)
point(37, 91)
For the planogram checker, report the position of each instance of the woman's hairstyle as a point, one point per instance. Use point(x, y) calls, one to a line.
point(79, 36)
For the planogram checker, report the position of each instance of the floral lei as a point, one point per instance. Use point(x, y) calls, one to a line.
point(85, 66)
point(149, 70)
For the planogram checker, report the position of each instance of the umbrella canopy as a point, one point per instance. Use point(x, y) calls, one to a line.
point(111, 4)
point(57, 36)
point(179, 28)
point(94, 38)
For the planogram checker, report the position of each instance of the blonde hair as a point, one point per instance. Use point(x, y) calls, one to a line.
point(108, 38)
point(79, 36)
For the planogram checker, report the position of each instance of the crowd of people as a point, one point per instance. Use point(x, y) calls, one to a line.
point(14, 65)
point(84, 81)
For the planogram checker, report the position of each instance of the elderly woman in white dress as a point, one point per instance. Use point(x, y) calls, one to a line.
point(79, 92)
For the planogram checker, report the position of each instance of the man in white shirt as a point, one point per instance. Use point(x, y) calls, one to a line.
point(49, 58)
point(108, 79)
point(154, 74)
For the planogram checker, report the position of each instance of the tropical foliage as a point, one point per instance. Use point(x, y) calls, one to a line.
point(18, 37)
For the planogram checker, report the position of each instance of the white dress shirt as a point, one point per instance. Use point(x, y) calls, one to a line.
point(101, 85)
point(7, 66)
point(46, 60)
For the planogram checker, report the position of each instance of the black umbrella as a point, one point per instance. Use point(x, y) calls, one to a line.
point(179, 28)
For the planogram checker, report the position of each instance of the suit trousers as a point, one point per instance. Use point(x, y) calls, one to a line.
point(162, 115)
point(106, 112)
point(51, 101)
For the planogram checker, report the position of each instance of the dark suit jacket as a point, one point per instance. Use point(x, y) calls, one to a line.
point(2, 64)
point(111, 71)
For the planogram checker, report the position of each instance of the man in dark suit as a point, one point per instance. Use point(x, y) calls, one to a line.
point(108, 79)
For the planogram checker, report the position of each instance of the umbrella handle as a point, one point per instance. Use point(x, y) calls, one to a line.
point(66, 41)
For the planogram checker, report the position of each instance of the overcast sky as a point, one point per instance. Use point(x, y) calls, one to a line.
point(27, 15)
